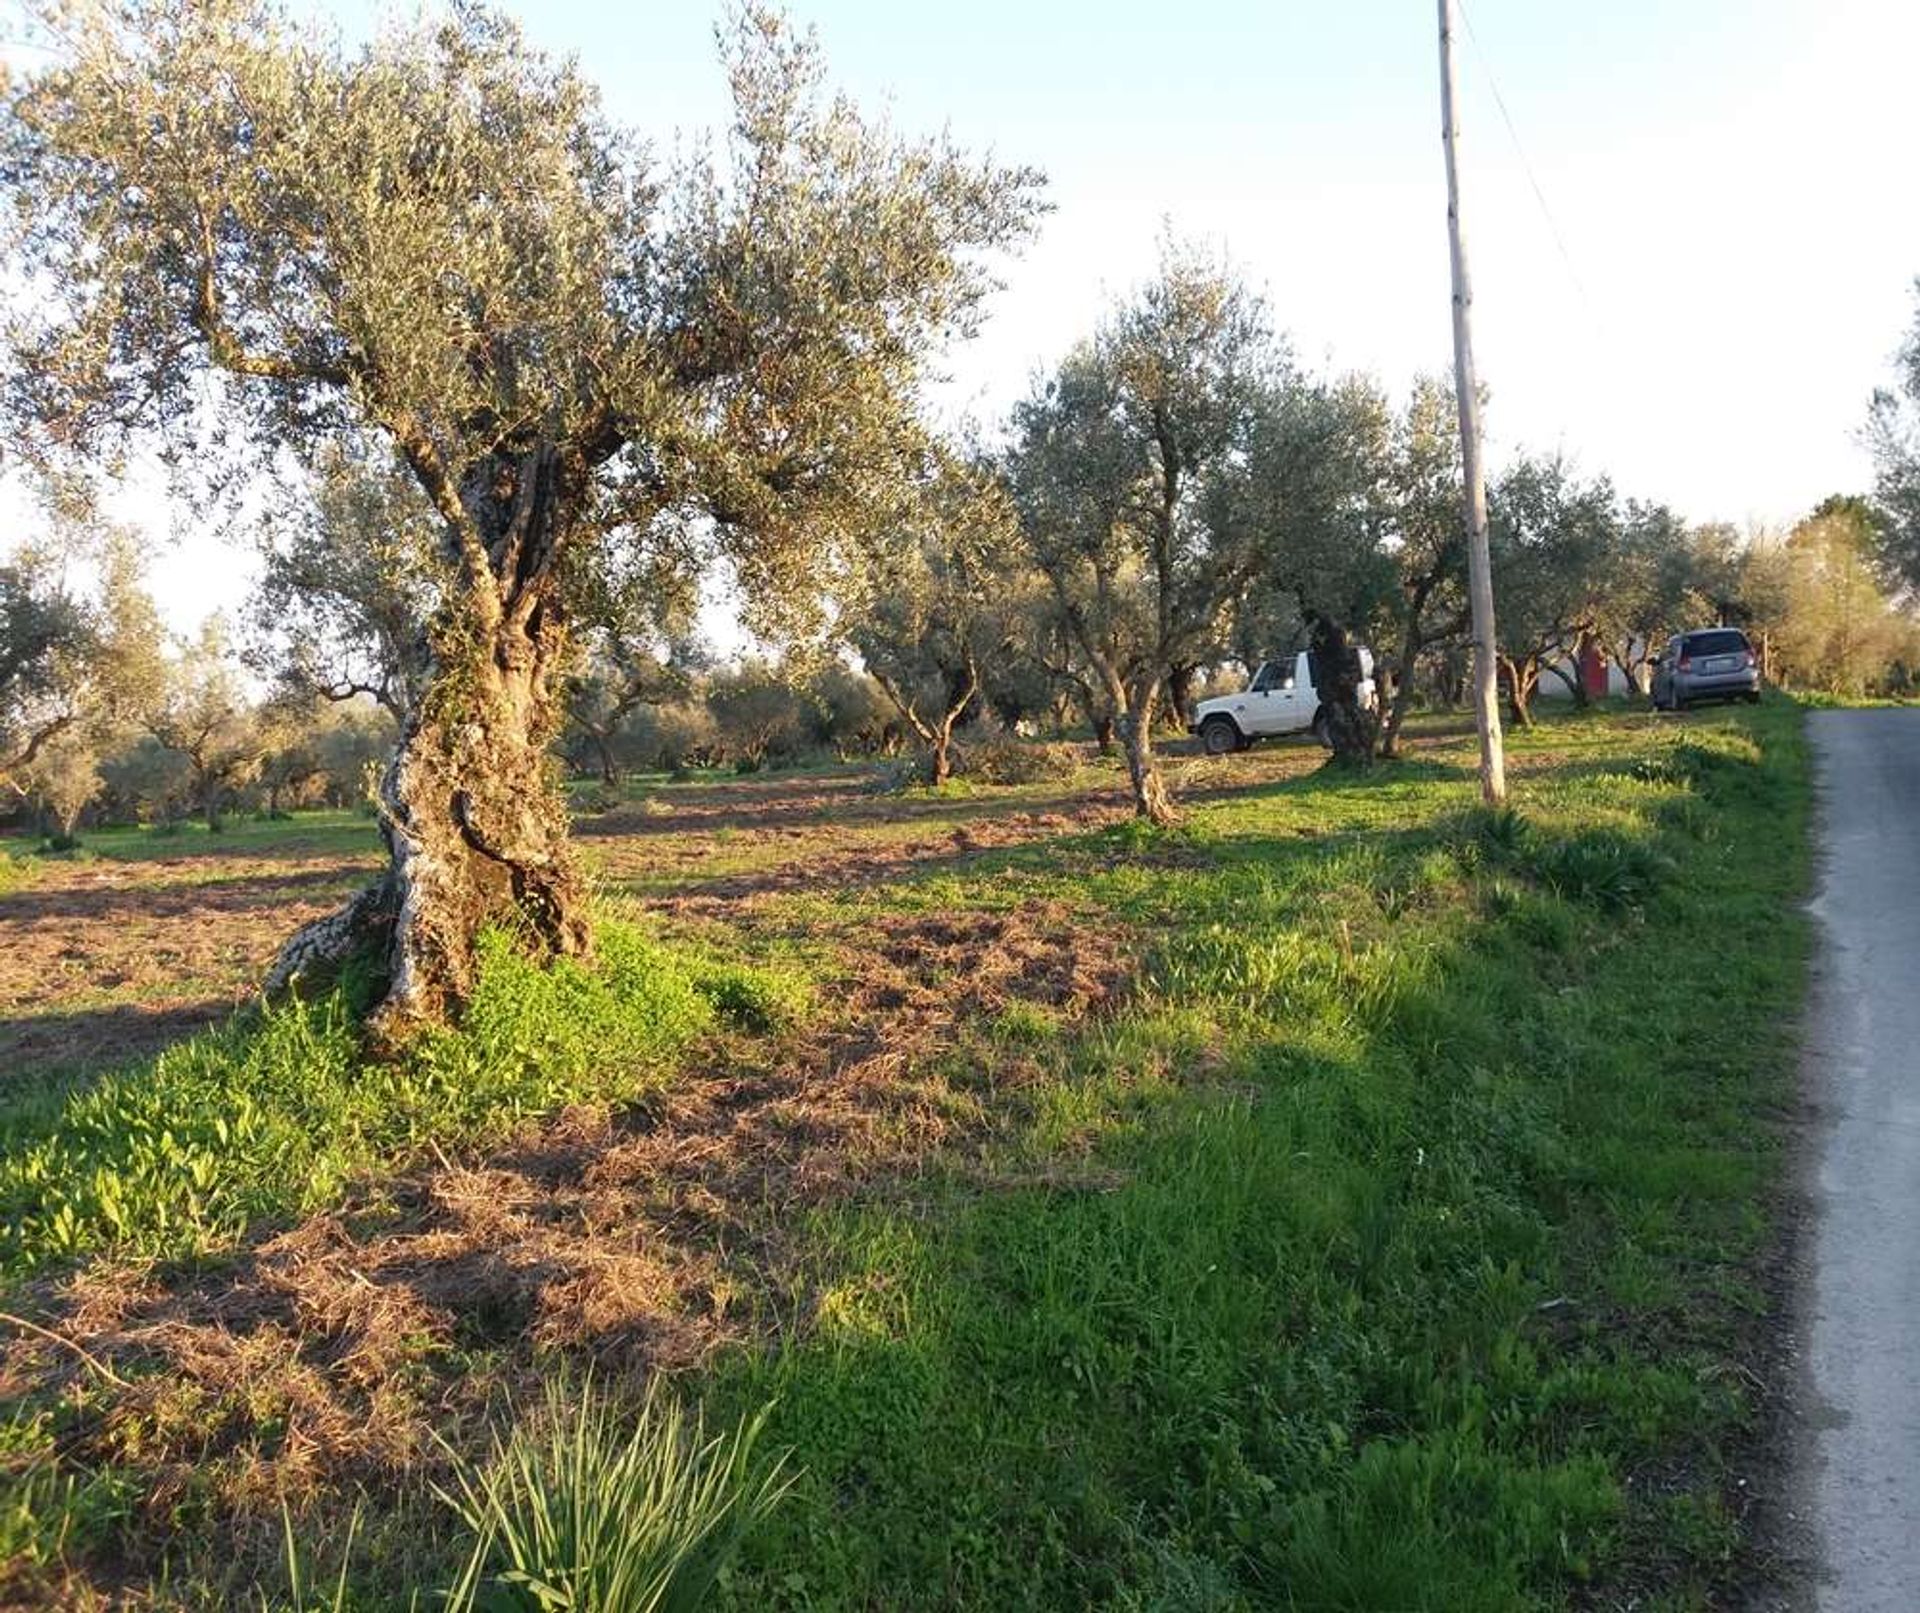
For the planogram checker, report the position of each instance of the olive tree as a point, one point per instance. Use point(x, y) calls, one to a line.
point(1116, 465)
point(1554, 541)
point(205, 716)
point(941, 617)
point(1312, 501)
point(1428, 540)
point(74, 660)
point(47, 643)
point(441, 241)
point(1653, 586)
point(352, 573)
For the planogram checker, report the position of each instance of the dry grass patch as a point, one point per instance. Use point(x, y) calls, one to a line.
point(643, 1239)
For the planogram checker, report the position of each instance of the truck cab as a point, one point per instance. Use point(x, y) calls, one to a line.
point(1282, 697)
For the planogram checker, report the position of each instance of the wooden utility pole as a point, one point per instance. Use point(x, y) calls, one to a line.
point(1466, 385)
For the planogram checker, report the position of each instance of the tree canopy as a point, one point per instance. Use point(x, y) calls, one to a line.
point(239, 233)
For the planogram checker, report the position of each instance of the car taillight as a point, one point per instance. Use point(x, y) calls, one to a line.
point(1686, 663)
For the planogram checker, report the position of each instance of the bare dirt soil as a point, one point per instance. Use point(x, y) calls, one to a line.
point(106, 961)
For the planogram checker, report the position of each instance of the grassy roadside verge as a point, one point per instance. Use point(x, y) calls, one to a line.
point(1395, 1250)
point(1391, 1245)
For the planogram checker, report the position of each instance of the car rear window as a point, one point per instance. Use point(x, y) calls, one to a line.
point(1726, 642)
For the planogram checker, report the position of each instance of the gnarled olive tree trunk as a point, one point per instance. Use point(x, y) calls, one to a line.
point(1350, 729)
point(1140, 700)
point(475, 826)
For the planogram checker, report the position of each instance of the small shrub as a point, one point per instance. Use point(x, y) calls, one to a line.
point(1503, 829)
point(754, 999)
point(584, 1514)
point(1016, 761)
point(1600, 867)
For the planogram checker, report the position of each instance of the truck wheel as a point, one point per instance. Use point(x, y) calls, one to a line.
point(1218, 735)
point(1322, 731)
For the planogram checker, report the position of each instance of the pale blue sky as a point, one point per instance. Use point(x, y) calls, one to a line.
point(1733, 180)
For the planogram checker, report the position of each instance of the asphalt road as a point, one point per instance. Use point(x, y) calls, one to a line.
point(1862, 1332)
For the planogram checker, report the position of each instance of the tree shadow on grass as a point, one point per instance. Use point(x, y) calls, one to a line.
point(86, 1044)
point(183, 899)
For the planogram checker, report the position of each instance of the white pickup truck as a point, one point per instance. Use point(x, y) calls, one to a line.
point(1281, 699)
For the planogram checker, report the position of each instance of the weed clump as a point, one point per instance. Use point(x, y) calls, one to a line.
point(577, 1510)
point(1018, 761)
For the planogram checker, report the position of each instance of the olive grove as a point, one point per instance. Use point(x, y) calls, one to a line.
point(241, 236)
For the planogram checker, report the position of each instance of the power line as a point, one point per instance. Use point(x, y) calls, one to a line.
point(1526, 167)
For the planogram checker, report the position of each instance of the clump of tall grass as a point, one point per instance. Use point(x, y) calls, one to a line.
point(579, 1511)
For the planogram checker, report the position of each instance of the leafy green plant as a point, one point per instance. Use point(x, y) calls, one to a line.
point(14, 872)
point(1601, 867)
point(582, 1512)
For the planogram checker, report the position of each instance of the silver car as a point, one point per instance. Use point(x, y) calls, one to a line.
point(1714, 663)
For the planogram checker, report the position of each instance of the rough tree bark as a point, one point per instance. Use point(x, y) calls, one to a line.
point(1521, 675)
point(1180, 682)
point(1415, 637)
point(1351, 730)
point(475, 827)
point(1141, 700)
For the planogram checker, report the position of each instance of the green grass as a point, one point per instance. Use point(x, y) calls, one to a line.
point(274, 1114)
point(314, 834)
point(1392, 1246)
point(1442, 1150)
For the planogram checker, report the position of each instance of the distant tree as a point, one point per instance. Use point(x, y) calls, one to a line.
point(1313, 506)
point(760, 712)
point(1114, 465)
point(47, 646)
point(854, 715)
point(1554, 541)
point(1427, 534)
point(1652, 587)
point(1893, 435)
point(73, 662)
point(1839, 631)
point(939, 617)
point(145, 782)
point(635, 609)
point(440, 241)
point(353, 572)
point(64, 779)
point(1044, 669)
point(205, 717)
